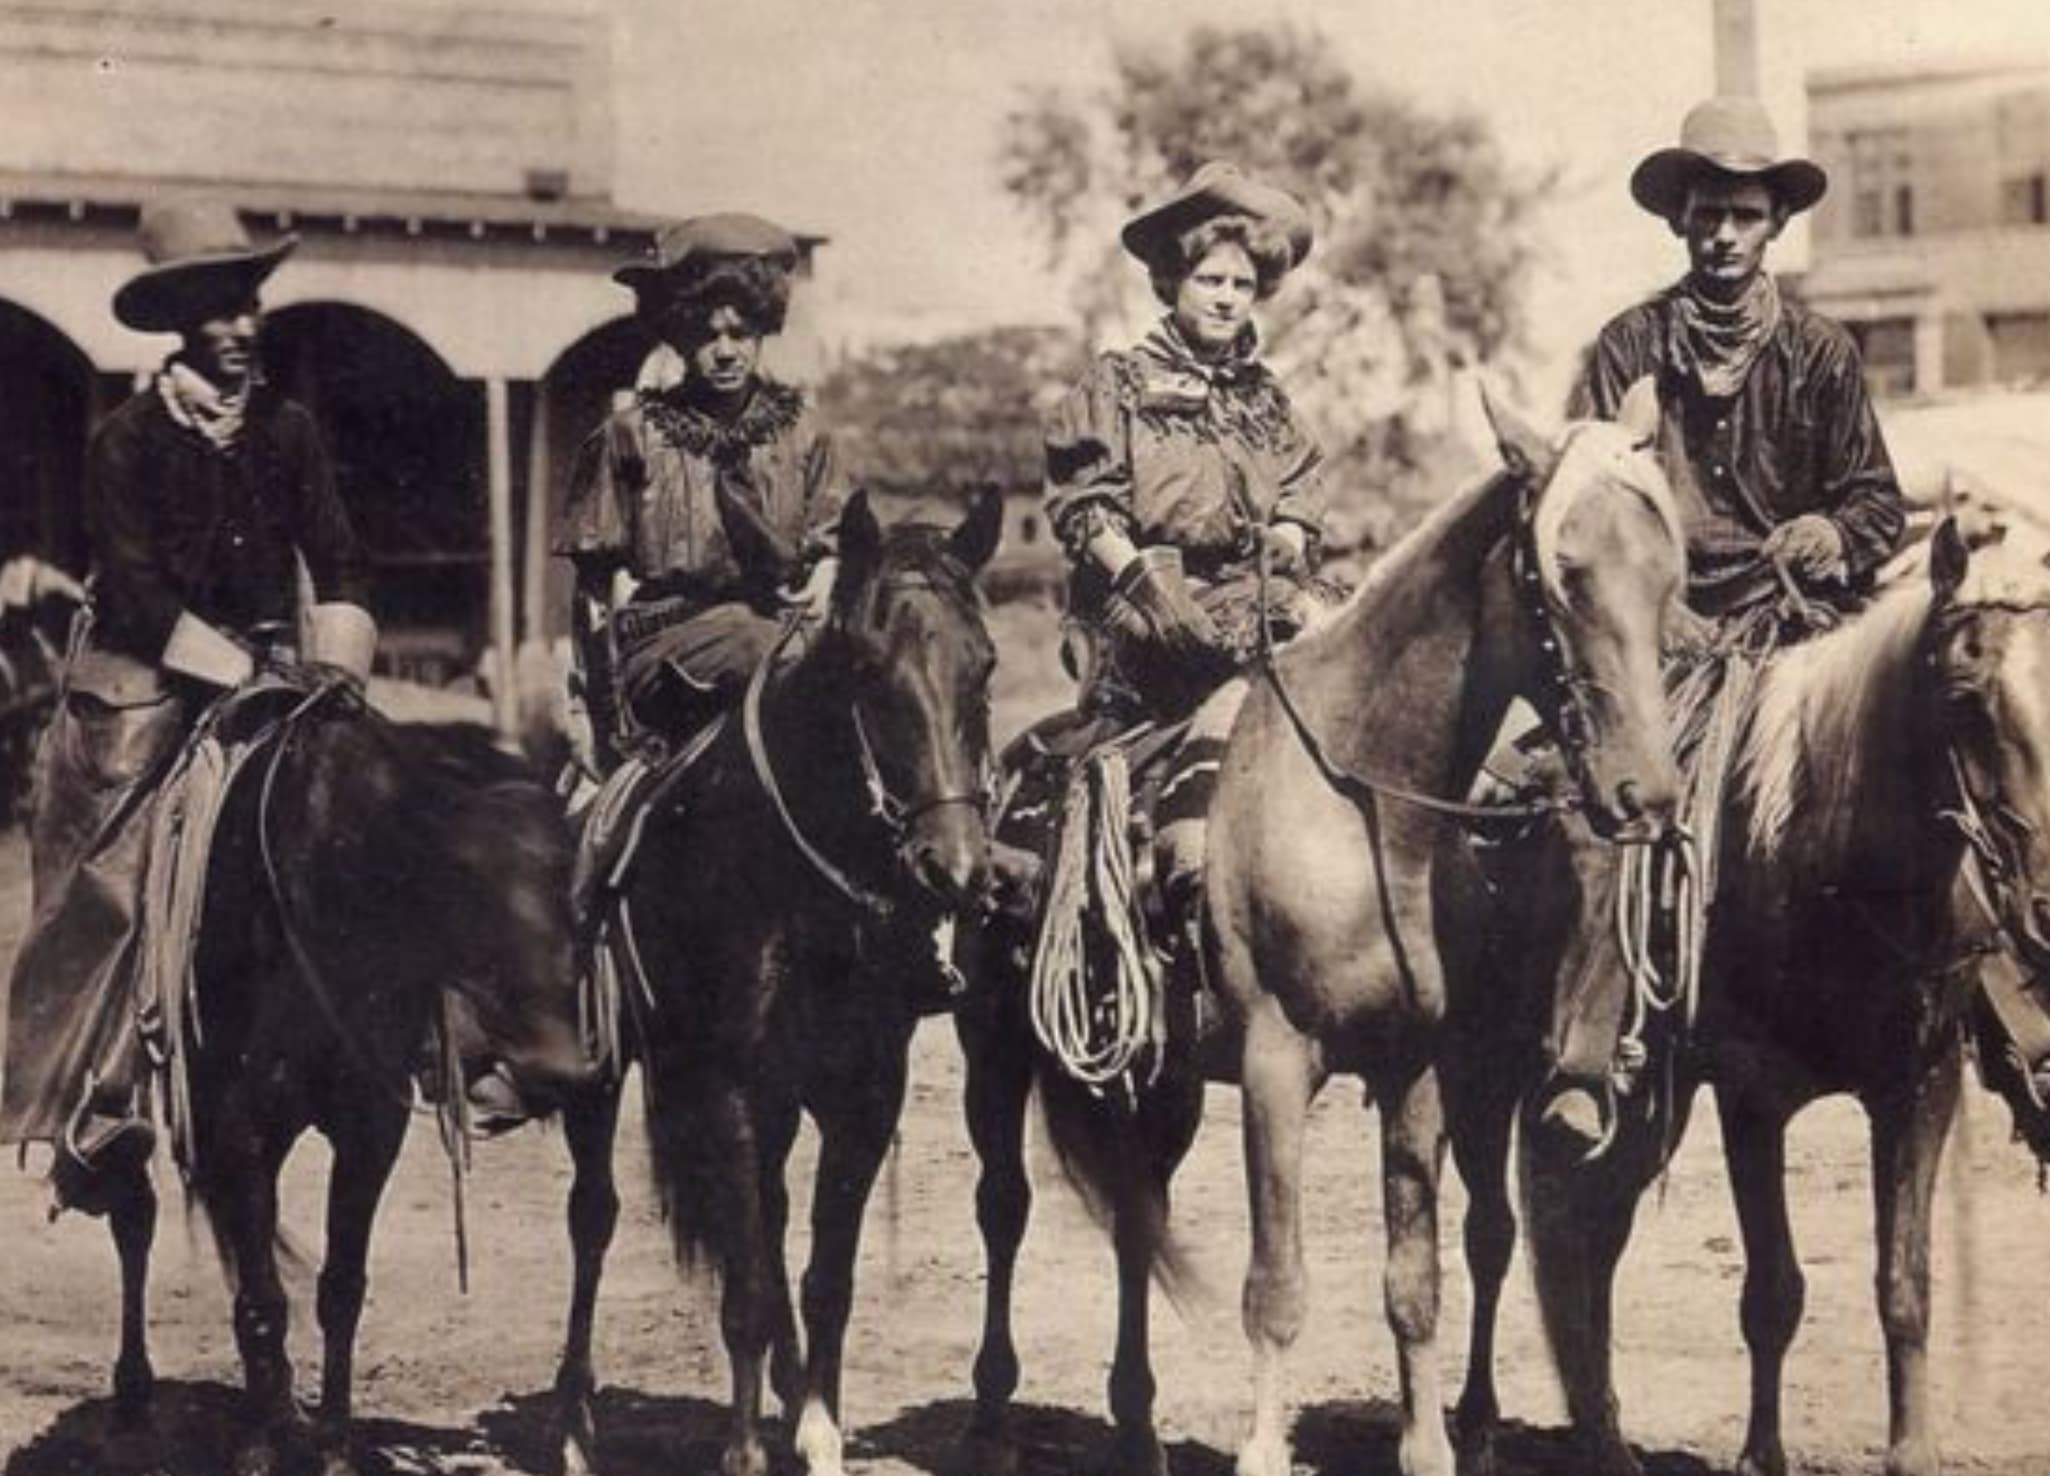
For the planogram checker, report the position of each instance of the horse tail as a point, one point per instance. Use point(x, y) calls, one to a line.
point(690, 1174)
point(1119, 1155)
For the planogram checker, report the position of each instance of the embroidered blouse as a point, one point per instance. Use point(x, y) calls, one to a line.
point(647, 488)
point(1176, 450)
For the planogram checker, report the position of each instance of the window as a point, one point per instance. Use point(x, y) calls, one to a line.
point(2025, 199)
point(1882, 183)
point(1887, 346)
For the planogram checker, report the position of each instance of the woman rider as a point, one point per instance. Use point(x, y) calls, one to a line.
point(699, 511)
point(1176, 464)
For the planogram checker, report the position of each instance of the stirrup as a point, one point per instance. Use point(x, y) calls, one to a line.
point(98, 1159)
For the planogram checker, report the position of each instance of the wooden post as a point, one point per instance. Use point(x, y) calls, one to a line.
point(534, 623)
point(498, 433)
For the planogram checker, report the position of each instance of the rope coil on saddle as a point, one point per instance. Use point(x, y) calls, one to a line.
point(1098, 1034)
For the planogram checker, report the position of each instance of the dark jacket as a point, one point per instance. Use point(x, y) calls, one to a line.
point(1799, 437)
point(177, 525)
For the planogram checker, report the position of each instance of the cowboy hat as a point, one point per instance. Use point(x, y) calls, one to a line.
point(685, 248)
point(1730, 136)
point(1218, 188)
point(200, 259)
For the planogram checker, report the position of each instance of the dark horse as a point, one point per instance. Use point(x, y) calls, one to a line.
point(785, 899)
point(1551, 580)
point(1888, 825)
point(358, 868)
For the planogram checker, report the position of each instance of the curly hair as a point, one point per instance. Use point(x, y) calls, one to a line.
point(755, 287)
point(1267, 247)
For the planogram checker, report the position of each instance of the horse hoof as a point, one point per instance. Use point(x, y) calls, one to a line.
point(257, 1458)
point(818, 1441)
point(1766, 1463)
point(745, 1459)
point(988, 1453)
point(1263, 1458)
point(577, 1458)
point(337, 1463)
point(1476, 1453)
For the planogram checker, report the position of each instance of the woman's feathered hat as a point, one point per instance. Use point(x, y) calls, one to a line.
point(1217, 188)
point(1731, 136)
point(201, 261)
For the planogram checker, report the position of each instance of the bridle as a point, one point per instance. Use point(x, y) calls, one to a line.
point(1568, 689)
point(895, 815)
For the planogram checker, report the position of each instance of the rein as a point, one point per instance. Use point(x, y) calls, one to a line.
point(1365, 789)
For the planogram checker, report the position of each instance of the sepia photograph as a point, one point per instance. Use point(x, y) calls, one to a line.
point(1024, 737)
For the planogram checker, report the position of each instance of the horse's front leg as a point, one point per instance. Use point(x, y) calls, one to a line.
point(1412, 1158)
point(857, 1116)
point(1279, 1074)
point(995, 1045)
point(590, 1120)
point(366, 1134)
point(1755, 1150)
point(133, 1220)
point(1907, 1146)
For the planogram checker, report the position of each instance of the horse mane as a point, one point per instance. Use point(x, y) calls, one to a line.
point(1549, 520)
point(1827, 718)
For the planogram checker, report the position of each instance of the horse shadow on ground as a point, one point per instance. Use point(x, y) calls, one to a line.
point(194, 1429)
point(638, 1434)
point(1345, 1438)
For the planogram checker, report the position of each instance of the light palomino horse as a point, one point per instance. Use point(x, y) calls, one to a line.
point(1324, 933)
point(1889, 823)
point(1552, 581)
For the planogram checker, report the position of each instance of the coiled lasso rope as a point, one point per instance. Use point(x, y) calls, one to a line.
point(1660, 883)
point(1098, 1029)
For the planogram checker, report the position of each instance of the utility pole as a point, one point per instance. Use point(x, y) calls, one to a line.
point(1736, 48)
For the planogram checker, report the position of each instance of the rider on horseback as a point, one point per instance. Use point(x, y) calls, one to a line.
point(700, 511)
point(1767, 435)
point(1175, 464)
point(204, 493)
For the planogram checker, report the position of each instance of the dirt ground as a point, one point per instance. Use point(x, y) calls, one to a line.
point(458, 1384)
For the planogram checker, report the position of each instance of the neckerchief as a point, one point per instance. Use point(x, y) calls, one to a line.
point(727, 441)
point(202, 407)
point(1176, 378)
point(1715, 343)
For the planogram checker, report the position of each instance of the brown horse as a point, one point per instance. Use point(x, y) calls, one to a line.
point(358, 868)
point(1550, 581)
point(1889, 824)
point(780, 903)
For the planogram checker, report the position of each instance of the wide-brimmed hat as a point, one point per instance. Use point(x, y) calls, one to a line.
point(1731, 136)
point(685, 249)
point(200, 260)
point(1218, 188)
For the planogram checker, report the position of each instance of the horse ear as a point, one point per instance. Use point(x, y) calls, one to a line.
point(1639, 412)
point(860, 534)
point(1525, 450)
point(1948, 559)
point(975, 541)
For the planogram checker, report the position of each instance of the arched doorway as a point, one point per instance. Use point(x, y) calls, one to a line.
point(49, 389)
point(574, 396)
point(407, 440)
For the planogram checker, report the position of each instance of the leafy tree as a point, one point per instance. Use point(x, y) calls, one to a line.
point(1425, 239)
point(942, 417)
